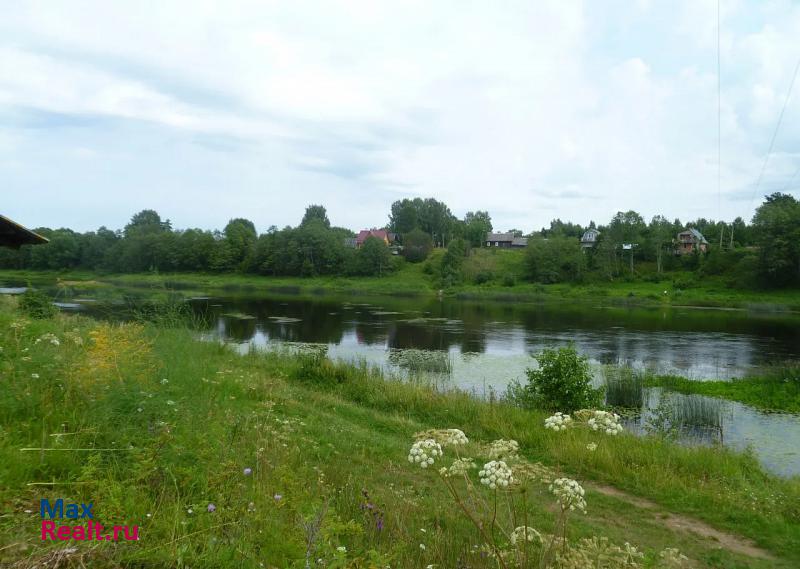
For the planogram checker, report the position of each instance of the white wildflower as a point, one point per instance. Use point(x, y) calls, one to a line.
point(460, 466)
point(341, 549)
point(170, 402)
point(591, 447)
point(502, 448)
point(49, 337)
point(569, 493)
point(455, 437)
point(496, 474)
point(558, 422)
point(35, 375)
point(164, 381)
point(422, 546)
point(605, 422)
point(424, 452)
point(445, 437)
point(524, 533)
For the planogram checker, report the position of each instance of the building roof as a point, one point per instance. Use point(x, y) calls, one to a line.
point(12, 234)
point(364, 233)
point(696, 234)
point(520, 241)
point(590, 234)
point(500, 237)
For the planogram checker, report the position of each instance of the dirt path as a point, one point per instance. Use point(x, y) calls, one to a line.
point(677, 522)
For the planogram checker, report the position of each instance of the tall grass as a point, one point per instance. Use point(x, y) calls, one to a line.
point(624, 387)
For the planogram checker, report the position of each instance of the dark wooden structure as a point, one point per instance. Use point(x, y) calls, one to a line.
point(12, 234)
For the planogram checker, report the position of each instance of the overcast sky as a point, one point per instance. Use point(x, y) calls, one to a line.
point(206, 111)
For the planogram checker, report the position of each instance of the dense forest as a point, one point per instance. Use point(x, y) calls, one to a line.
point(763, 253)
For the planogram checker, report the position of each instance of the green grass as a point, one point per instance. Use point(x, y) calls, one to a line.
point(775, 389)
point(184, 418)
point(504, 270)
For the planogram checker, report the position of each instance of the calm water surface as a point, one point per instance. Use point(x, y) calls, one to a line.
point(482, 346)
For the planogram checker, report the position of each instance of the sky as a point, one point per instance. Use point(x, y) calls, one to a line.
point(205, 111)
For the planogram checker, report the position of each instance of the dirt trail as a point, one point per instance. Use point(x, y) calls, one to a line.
point(731, 542)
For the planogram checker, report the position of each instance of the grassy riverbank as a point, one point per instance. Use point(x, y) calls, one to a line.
point(153, 426)
point(413, 280)
point(777, 389)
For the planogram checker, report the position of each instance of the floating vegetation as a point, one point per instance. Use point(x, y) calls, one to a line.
point(284, 319)
point(238, 316)
point(624, 387)
point(422, 361)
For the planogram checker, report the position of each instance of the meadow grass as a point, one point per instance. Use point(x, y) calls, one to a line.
point(168, 424)
point(506, 284)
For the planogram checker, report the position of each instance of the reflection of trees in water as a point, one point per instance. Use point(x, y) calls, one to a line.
point(239, 329)
point(692, 342)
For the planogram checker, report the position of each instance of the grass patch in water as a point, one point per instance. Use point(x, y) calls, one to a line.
point(624, 387)
point(776, 388)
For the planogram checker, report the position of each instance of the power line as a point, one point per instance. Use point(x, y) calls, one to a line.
point(791, 180)
point(774, 135)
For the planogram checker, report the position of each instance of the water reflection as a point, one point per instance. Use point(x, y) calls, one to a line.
point(771, 437)
point(694, 343)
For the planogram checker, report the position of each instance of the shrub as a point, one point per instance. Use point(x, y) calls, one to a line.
point(37, 304)
point(509, 279)
point(483, 277)
point(563, 382)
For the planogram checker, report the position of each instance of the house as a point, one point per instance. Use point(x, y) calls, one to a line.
point(12, 234)
point(505, 240)
point(589, 238)
point(362, 236)
point(689, 241)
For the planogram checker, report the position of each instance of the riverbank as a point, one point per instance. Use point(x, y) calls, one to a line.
point(288, 440)
point(411, 280)
point(777, 389)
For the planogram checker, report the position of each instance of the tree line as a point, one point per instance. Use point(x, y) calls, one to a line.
point(763, 252)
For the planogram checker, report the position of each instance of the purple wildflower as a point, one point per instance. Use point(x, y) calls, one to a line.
point(211, 508)
point(247, 471)
point(277, 497)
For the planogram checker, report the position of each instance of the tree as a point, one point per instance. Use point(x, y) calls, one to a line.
point(660, 235)
point(240, 240)
point(316, 213)
point(776, 226)
point(417, 245)
point(476, 226)
point(373, 258)
point(626, 229)
point(145, 222)
point(555, 260)
point(452, 261)
point(431, 216)
point(404, 216)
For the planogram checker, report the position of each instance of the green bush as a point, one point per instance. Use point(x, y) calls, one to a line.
point(509, 279)
point(563, 382)
point(483, 277)
point(37, 304)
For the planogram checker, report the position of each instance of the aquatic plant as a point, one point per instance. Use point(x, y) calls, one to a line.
point(624, 387)
point(422, 361)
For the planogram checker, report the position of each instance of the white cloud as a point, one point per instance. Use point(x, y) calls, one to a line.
point(510, 107)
